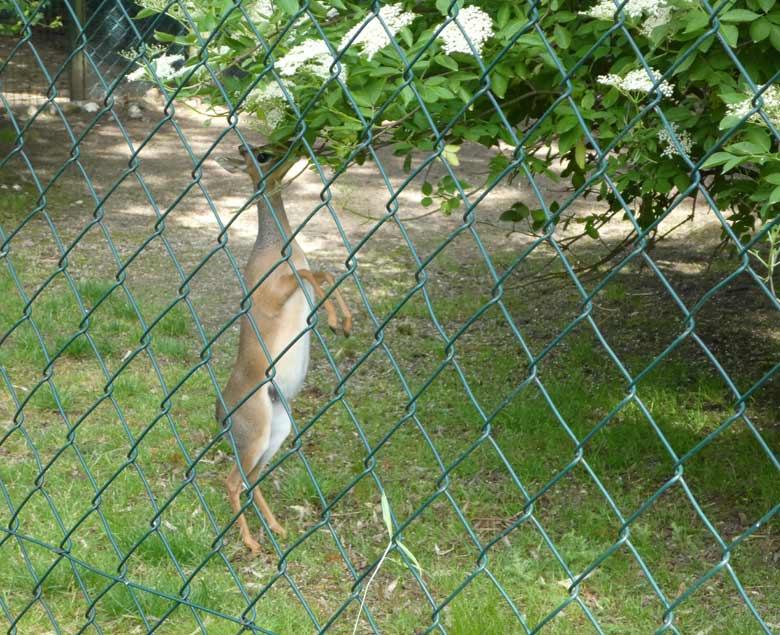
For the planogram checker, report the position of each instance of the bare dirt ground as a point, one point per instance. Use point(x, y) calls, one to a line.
point(159, 196)
point(148, 190)
point(170, 159)
point(157, 172)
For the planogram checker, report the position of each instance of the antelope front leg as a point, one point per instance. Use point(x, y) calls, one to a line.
point(314, 278)
point(287, 284)
point(276, 294)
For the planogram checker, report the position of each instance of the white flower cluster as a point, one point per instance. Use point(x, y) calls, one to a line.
point(683, 138)
point(163, 67)
point(138, 75)
point(652, 21)
point(270, 100)
point(312, 55)
point(654, 13)
point(477, 25)
point(636, 81)
point(373, 37)
point(771, 106)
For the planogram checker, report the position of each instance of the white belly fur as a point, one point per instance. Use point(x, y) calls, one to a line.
point(291, 368)
point(280, 428)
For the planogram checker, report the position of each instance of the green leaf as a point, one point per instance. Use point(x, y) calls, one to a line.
point(760, 30)
point(497, 165)
point(568, 139)
point(562, 36)
point(730, 33)
point(444, 5)
point(745, 148)
point(774, 178)
point(519, 211)
point(659, 34)
point(697, 21)
point(464, 94)
point(774, 197)
point(732, 98)
point(426, 201)
point(739, 15)
point(386, 516)
point(579, 153)
point(774, 37)
point(610, 97)
point(450, 154)
point(362, 99)
point(406, 35)
point(511, 28)
point(731, 164)
point(443, 92)
point(719, 158)
point(503, 16)
point(164, 37)
point(729, 121)
point(588, 99)
point(686, 63)
point(766, 5)
point(410, 555)
point(145, 13)
point(681, 181)
point(498, 84)
point(446, 61)
point(290, 7)
point(566, 123)
point(427, 188)
point(407, 95)
point(759, 137)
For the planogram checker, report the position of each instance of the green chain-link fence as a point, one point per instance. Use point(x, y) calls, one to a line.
point(113, 516)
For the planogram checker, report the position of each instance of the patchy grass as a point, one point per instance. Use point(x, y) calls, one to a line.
point(513, 476)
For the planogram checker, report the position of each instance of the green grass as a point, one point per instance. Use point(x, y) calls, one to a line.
point(732, 479)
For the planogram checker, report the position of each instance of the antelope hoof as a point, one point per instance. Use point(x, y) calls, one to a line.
point(346, 327)
point(253, 546)
point(278, 529)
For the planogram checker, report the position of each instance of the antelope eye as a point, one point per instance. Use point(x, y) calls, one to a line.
point(263, 157)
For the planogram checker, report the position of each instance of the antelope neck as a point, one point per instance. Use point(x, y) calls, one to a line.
point(267, 228)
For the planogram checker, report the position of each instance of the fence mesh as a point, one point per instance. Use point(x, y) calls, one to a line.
point(97, 461)
point(23, 84)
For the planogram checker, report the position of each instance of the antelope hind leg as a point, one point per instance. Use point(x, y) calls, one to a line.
point(260, 411)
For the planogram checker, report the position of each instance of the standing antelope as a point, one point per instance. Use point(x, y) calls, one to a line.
point(280, 311)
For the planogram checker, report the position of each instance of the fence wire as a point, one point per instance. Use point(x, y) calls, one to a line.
point(51, 565)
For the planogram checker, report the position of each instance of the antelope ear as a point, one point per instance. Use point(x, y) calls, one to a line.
point(231, 164)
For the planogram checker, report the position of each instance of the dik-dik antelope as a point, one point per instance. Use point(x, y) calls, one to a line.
point(279, 310)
